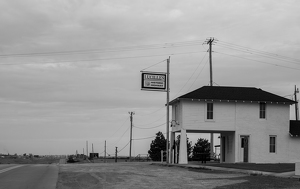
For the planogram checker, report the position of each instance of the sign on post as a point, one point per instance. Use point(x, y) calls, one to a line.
point(154, 81)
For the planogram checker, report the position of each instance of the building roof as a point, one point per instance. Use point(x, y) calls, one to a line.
point(294, 128)
point(234, 94)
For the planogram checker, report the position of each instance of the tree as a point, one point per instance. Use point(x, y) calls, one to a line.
point(202, 146)
point(189, 145)
point(156, 146)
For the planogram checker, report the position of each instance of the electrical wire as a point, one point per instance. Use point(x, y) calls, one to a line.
point(265, 56)
point(146, 137)
point(259, 61)
point(120, 127)
point(258, 52)
point(152, 112)
point(154, 65)
point(124, 147)
point(122, 136)
point(190, 76)
point(149, 127)
point(154, 121)
point(255, 50)
point(198, 75)
point(117, 49)
point(97, 59)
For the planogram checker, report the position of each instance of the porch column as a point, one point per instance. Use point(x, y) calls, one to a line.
point(211, 145)
point(183, 148)
point(171, 155)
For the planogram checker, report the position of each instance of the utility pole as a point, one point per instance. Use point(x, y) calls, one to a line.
point(105, 152)
point(93, 150)
point(168, 99)
point(296, 105)
point(116, 155)
point(209, 42)
point(131, 114)
point(87, 149)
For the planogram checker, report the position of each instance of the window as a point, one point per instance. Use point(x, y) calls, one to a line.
point(210, 112)
point(272, 144)
point(243, 142)
point(176, 113)
point(262, 110)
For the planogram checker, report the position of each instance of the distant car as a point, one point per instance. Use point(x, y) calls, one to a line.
point(72, 159)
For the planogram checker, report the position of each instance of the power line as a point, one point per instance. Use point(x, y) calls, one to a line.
point(259, 61)
point(248, 48)
point(88, 60)
point(124, 147)
point(258, 52)
point(197, 76)
point(153, 111)
point(263, 55)
point(154, 121)
point(122, 136)
point(149, 127)
point(192, 76)
point(107, 50)
point(154, 65)
point(120, 127)
point(146, 137)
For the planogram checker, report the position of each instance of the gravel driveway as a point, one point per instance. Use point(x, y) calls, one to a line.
point(141, 175)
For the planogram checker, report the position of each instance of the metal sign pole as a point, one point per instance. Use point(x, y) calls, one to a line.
point(168, 96)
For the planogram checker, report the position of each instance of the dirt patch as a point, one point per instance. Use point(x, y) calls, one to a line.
point(138, 175)
point(144, 175)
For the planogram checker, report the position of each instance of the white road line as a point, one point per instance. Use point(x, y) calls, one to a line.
point(10, 168)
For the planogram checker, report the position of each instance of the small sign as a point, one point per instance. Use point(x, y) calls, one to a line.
point(154, 81)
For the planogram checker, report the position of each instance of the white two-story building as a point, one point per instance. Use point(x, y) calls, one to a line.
point(254, 125)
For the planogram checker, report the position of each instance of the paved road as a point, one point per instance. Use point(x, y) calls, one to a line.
point(33, 176)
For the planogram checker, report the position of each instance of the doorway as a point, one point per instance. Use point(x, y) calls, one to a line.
point(223, 149)
point(244, 150)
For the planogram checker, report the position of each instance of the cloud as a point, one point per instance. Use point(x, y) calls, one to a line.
point(175, 14)
point(86, 95)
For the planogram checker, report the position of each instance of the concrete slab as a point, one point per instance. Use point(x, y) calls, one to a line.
point(249, 172)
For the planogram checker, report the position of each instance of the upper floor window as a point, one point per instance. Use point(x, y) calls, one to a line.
point(262, 110)
point(272, 144)
point(210, 111)
point(176, 113)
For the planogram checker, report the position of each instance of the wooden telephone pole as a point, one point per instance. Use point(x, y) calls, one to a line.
point(87, 150)
point(296, 105)
point(131, 114)
point(105, 151)
point(210, 42)
point(116, 155)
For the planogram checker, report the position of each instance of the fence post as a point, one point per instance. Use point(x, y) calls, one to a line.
point(173, 154)
point(116, 155)
point(176, 155)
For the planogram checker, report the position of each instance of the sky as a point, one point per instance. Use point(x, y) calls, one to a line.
point(70, 70)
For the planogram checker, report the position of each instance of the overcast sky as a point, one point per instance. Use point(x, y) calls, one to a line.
point(70, 69)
